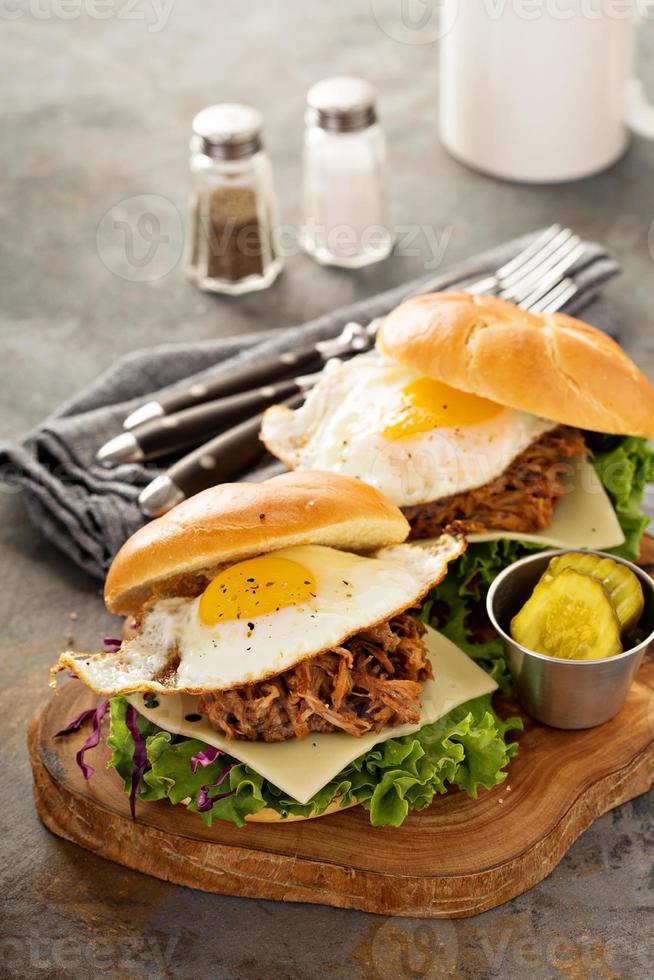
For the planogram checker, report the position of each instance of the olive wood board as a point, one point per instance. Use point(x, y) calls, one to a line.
point(457, 858)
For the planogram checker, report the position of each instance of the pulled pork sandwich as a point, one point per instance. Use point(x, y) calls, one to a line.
point(275, 664)
point(529, 430)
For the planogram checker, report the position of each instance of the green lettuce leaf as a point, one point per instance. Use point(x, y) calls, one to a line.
point(170, 774)
point(467, 748)
point(246, 796)
point(456, 606)
point(625, 470)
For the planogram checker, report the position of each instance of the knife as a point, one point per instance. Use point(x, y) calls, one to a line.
point(353, 339)
point(190, 426)
point(217, 461)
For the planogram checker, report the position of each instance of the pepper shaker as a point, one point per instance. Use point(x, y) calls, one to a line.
point(232, 211)
point(346, 217)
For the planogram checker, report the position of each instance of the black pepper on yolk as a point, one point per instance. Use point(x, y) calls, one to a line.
point(428, 404)
point(256, 587)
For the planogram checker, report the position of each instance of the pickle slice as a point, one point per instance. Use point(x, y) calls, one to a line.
point(623, 587)
point(569, 616)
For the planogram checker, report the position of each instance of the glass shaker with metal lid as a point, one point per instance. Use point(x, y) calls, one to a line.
point(346, 216)
point(232, 213)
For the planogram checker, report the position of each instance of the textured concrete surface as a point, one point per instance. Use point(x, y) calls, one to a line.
point(96, 112)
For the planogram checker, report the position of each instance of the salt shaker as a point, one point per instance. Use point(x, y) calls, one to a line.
point(346, 218)
point(232, 212)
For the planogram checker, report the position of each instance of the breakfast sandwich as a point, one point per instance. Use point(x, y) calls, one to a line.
point(275, 663)
point(528, 430)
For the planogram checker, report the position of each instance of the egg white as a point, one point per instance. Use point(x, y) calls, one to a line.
point(351, 594)
point(340, 427)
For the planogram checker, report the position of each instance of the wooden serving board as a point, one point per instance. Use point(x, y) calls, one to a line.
point(456, 858)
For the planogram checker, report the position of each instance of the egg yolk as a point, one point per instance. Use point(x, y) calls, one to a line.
point(256, 587)
point(429, 404)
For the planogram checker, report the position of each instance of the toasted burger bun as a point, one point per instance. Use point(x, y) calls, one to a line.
point(235, 521)
point(271, 816)
point(549, 365)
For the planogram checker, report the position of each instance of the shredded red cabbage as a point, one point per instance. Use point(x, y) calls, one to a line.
point(112, 642)
point(97, 714)
point(76, 723)
point(140, 757)
point(204, 802)
point(205, 758)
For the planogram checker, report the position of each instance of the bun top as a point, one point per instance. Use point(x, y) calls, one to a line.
point(235, 521)
point(550, 365)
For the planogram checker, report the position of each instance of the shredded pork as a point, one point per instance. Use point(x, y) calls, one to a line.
point(522, 499)
point(373, 680)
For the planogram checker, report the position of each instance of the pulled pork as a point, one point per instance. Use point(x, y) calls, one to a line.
point(521, 499)
point(373, 680)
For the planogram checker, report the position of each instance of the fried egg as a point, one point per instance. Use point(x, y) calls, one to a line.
point(261, 616)
point(414, 438)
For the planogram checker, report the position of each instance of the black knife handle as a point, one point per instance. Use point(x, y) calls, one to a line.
point(224, 457)
point(167, 433)
point(255, 375)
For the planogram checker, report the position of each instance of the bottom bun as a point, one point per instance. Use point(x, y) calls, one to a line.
point(271, 816)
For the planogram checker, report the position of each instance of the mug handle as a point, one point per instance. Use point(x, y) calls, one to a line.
point(639, 111)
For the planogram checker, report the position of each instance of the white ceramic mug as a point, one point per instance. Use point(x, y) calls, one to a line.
point(540, 90)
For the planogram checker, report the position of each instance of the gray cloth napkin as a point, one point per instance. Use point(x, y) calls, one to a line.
point(88, 511)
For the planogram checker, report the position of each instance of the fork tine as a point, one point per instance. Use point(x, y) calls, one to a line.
point(531, 258)
point(547, 274)
point(554, 276)
point(492, 282)
point(539, 266)
point(547, 283)
point(556, 298)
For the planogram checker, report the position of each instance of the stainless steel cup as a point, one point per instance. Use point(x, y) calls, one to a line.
point(565, 693)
